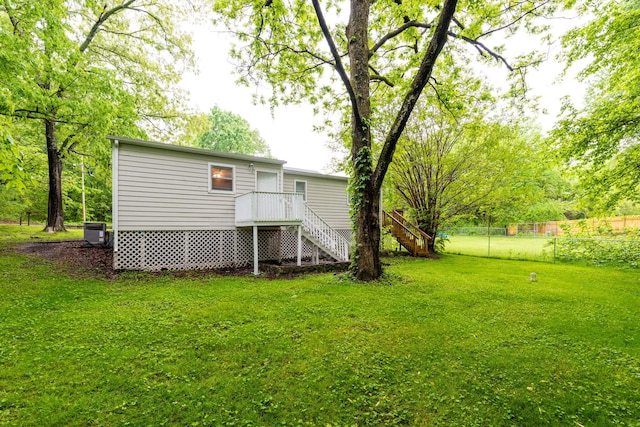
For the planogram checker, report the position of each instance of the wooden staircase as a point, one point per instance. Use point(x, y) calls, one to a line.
point(407, 234)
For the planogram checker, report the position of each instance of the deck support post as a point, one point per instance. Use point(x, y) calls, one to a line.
point(255, 250)
point(299, 245)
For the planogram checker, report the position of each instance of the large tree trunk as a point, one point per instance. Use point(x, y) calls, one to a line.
point(367, 181)
point(365, 198)
point(55, 213)
point(431, 244)
point(367, 223)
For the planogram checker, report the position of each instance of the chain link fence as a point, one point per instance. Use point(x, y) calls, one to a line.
point(619, 252)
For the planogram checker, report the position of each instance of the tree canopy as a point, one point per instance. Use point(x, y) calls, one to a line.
point(79, 71)
point(229, 132)
point(378, 52)
point(602, 137)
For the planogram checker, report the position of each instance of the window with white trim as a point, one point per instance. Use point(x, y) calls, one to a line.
point(301, 187)
point(222, 178)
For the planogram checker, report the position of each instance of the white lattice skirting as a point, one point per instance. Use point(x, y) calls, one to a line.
point(204, 249)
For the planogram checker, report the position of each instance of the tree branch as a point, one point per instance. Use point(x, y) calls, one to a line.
point(376, 76)
point(529, 12)
point(442, 101)
point(421, 79)
point(338, 62)
point(482, 48)
point(67, 144)
point(38, 115)
point(12, 18)
point(101, 20)
point(394, 33)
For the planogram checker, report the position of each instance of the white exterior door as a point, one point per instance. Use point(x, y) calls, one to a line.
point(270, 206)
point(267, 181)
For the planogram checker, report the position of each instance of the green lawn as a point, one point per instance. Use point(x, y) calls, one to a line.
point(457, 341)
point(531, 249)
point(21, 233)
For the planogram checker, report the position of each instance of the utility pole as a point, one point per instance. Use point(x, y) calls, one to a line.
point(84, 208)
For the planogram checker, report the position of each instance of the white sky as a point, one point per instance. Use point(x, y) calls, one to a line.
point(289, 132)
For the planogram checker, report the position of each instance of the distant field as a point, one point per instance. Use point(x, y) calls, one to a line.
point(532, 249)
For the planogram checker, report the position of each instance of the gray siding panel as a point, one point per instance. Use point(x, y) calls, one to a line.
point(326, 196)
point(168, 190)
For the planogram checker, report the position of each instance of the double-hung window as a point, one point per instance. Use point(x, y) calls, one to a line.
point(301, 187)
point(222, 178)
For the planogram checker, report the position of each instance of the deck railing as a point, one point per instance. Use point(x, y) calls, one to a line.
point(408, 235)
point(265, 207)
point(272, 209)
point(327, 238)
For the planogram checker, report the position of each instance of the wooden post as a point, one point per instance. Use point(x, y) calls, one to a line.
point(84, 206)
point(489, 236)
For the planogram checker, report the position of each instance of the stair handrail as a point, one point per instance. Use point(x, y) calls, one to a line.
point(412, 240)
point(404, 221)
point(326, 235)
point(403, 225)
point(399, 223)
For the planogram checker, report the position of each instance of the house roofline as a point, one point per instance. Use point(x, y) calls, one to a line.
point(193, 150)
point(304, 172)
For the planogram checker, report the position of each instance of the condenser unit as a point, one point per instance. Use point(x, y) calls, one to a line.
point(95, 234)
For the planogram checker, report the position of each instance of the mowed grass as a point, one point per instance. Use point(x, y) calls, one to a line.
point(449, 342)
point(520, 248)
point(33, 233)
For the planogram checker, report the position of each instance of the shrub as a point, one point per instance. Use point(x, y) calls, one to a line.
point(599, 247)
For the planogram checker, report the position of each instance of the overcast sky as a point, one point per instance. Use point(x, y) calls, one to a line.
point(289, 132)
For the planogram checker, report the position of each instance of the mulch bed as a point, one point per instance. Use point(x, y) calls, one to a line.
point(74, 259)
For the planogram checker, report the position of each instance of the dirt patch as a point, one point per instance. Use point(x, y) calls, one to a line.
point(292, 270)
point(74, 259)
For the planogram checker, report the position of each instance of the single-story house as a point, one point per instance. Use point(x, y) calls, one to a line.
point(177, 207)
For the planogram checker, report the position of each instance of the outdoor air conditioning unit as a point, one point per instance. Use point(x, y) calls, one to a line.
point(95, 234)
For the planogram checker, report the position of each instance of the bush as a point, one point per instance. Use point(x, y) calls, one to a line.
point(600, 247)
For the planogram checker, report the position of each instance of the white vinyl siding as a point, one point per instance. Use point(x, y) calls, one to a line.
point(325, 195)
point(169, 190)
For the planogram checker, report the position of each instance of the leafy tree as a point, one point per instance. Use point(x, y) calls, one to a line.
point(11, 168)
point(602, 138)
point(230, 133)
point(558, 194)
point(386, 51)
point(449, 169)
point(85, 69)
point(32, 196)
